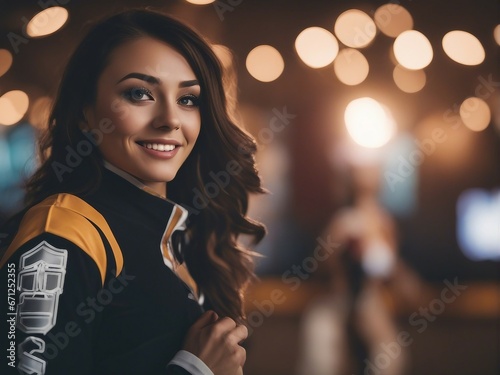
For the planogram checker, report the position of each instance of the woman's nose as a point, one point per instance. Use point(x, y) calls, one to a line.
point(167, 116)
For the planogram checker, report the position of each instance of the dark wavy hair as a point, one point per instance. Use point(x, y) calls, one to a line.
point(220, 266)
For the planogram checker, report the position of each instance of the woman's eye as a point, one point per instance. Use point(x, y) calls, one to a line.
point(189, 101)
point(138, 94)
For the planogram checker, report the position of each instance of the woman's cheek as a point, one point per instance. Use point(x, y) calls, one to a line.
point(120, 108)
point(130, 120)
point(192, 127)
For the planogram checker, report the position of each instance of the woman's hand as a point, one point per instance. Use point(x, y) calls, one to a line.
point(216, 342)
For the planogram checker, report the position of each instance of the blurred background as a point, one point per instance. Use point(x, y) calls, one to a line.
point(378, 126)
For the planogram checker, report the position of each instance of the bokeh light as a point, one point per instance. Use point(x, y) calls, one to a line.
point(368, 123)
point(13, 107)
point(355, 28)
point(200, 2)
point(393, 59)
point(478, 233)
point(407, 80)
point(393, 19)
point(463, 47)
point(351, 67)
point(317, 47)
point(413, 50)
point(5, 61)
point(496, 34)
point(475, 114)
point(47, 21)
point(265, 63)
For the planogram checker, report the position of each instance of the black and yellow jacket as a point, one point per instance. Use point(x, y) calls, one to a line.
point(90, 285)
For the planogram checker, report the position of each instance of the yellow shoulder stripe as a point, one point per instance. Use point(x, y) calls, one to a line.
point(68, 216)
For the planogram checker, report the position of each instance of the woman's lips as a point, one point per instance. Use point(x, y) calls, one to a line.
point(158, 146)
point(163, 150)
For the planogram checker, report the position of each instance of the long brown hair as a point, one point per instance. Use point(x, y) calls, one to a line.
point(218, 264)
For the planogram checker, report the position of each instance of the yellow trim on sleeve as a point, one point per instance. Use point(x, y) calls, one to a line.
point(69, 217)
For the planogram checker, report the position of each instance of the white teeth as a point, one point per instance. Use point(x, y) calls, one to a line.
point(159, 146)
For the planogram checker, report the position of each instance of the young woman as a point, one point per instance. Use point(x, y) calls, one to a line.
point(110, 275)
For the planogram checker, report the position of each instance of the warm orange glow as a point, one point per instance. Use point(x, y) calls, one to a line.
point(463, 47)
point(475, 114)
point(39, 112)
point(224, 54)
point(265, 63)
point(495, 110)
point(47, 21)
point(5, 61)
point(392, 57)
point(13, 107)
point(351, 67)
point(355, 28)
point(409, 81)
point(200, 2)
point(393, 19)
point(442, 140)
point(496, 34)
point(368, 123)
point(317, 47)
point(413, 50)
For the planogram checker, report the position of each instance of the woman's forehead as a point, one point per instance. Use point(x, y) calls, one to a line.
point(149, 56)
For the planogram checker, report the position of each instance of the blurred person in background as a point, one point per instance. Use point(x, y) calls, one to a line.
point(343, 332)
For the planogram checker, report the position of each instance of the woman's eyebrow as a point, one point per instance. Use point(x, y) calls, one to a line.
point(154, 80)
point(193, 82)
point(141, 76)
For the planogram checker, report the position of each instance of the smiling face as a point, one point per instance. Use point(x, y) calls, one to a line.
point(150, 94)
